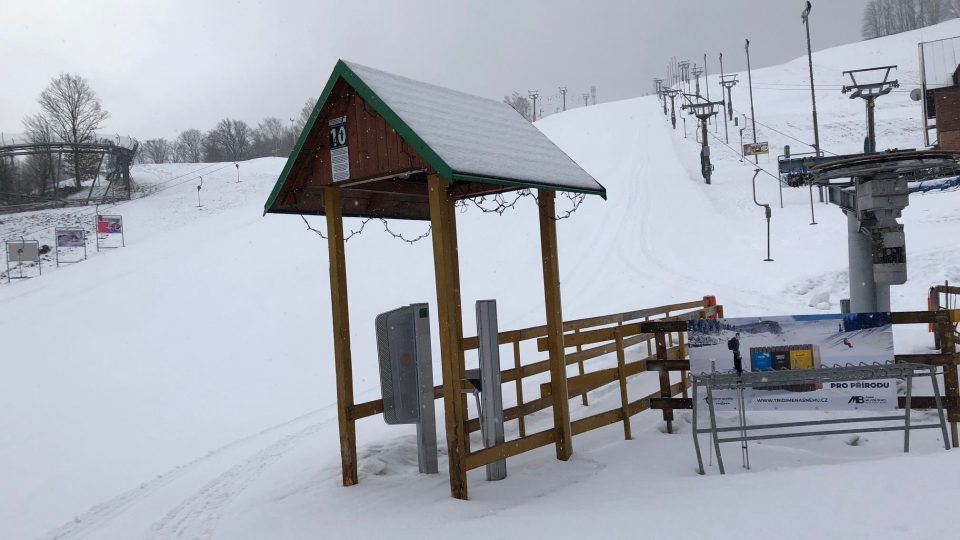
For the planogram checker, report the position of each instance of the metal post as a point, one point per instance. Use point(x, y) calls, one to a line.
point(753, 117)
point(939, 403)
point(766, 211)
point(491, 421)
point(705, 151)
point(706, 81)
point(713, 427)
point(863, 297)
point(673, 111)
point(427, 424)
point(813, 94)
point(906, 417)
point(813, 218)
point(741, 144)
point(871, 129)
point(696, 435)
point(726, 105)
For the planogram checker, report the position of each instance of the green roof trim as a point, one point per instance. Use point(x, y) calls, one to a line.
point(459, 177)
point(342, 70)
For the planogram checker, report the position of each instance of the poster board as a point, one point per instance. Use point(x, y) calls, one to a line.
point(110, 232)
point(797, 342)
point(71, 239)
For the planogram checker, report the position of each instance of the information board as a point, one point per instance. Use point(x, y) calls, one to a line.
point(795, 343)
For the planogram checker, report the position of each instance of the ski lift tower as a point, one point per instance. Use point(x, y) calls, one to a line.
point(872, 191)
point(703, 111)
point(658, 87)
point(728, 82)
point(869, 92)
point(697, 71)
point(672, 93)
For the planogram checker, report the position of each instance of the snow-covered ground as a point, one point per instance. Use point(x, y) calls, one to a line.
point(182, 386)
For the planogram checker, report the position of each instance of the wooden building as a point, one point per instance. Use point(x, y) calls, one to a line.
point(946, 104)
point(381, 145)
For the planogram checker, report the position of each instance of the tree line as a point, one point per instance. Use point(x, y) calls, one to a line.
point(229, 140)
point(71, 112)
point(886, 17)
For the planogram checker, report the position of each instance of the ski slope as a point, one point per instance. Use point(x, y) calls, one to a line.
point(182, 386)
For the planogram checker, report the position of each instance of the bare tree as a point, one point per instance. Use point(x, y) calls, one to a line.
point(157, 150)
point(74, 112)
point(885, 17)
point(188, 148)
point(272, 138)
point(521, 104)
point(41, 168)
point(301, 121)
point(230, 140)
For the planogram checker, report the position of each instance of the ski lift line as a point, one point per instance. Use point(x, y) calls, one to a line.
point(771, 128)
point(114, 205)
point(737, 152)
point(195, 171)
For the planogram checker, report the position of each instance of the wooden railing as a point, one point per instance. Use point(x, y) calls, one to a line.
point(591, 338)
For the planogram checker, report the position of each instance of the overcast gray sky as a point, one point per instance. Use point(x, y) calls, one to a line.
point(163, 66)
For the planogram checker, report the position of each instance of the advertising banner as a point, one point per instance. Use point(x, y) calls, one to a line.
point(70, 238)
point(109, 224)
point(28, 251)
point(795, 343)
point(756, 149)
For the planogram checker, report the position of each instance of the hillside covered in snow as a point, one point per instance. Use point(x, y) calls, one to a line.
point(182, 386)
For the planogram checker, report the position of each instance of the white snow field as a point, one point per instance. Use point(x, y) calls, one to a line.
point(182, 386)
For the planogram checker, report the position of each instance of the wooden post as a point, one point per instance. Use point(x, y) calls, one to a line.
point(661, 341)
point(551, 293)
point(448, 303)
point(521, 424)
point(583, 396)
point(333, 207)
point(948, 344)
point(622, 375)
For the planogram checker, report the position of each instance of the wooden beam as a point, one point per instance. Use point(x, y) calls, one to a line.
point(551, 293)
point(455, 415)
point(509, 448)
point(333, 207)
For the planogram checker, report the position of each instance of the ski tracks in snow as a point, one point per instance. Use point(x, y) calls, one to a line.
point(197, 515)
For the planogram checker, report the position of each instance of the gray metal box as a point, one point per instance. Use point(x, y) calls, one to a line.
point(397, 347)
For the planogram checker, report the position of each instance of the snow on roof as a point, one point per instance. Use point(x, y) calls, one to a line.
point(475, 136)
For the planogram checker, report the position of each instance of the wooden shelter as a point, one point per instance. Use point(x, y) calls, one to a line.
point(381, 145)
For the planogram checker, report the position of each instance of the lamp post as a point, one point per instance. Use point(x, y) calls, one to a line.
point(753, 119)
point(237, 165)
point(813, 95)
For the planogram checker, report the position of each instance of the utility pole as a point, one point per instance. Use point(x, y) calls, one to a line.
point(753, 117)
point(703, 111)
point(726, 104)
point(534, 94)
point(869, 92)
point(563, 94)
point(813, 95)
point(706, 82)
